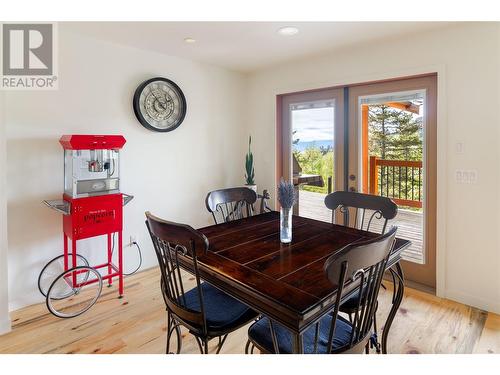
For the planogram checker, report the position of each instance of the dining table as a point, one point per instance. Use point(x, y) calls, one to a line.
point(286, 281)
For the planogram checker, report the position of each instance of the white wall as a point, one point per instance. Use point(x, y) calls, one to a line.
point(169, 173)
point(466, 58)
point(4, 296)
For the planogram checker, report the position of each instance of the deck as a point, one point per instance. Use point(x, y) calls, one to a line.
point(410, 223)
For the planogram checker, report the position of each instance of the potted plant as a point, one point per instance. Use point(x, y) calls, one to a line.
point(250, 171)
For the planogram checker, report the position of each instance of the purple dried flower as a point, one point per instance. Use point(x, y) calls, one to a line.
point(286, 194)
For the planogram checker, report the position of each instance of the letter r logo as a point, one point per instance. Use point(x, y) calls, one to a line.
point(28, 49)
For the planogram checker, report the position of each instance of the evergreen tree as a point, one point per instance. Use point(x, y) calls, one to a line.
point(394, 134)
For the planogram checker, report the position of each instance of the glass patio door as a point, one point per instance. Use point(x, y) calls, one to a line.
point(311, 147)
point(392, 153)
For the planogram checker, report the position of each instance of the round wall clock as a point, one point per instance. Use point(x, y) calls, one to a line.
point(159, 104)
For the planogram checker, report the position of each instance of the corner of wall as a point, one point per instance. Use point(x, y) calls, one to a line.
point(5, 324)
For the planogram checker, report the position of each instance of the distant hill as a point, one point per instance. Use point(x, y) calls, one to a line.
point(301, 146)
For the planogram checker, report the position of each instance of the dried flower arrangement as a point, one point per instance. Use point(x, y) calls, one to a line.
point(286, 194)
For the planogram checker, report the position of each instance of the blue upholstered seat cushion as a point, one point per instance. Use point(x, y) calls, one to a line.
point(221, 311)
point(260, 334)
point(351, 303)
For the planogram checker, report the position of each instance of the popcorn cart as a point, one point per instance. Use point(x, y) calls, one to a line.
point(92, 206)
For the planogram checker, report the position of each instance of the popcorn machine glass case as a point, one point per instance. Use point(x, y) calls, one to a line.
point(91, 164)
point(91, 172)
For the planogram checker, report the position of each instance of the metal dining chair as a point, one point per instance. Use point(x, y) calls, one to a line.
point(365, 212)
point(360, 265)
point(361, 211)
point(204, 310)
point(235, 203)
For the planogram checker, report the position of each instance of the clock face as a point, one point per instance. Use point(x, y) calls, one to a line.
point(159, 104)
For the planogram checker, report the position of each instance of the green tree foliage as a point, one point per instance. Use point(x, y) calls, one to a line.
point(316, 160)
point(394, 134)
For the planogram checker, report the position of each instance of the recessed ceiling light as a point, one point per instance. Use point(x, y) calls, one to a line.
point(288, 31)
point(190, 40)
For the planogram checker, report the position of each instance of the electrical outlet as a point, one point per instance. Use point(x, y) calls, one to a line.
point(132, 240)
point(473, 177)
point(466, 176)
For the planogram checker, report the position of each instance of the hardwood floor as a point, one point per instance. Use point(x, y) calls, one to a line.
point(136, 324)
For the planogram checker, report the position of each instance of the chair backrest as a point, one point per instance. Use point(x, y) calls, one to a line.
point(172, 242)
point(360, 266)
point(231, 204)
point(362, 211)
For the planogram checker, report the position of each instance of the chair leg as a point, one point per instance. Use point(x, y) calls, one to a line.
point(205, 342)
point(377, 343)
point(167, 350)
point(171, 327)
point(179, 338)
point(199, 344)
point(397, 297)
point(221, 342)
point(247, 346)
point(367, 348)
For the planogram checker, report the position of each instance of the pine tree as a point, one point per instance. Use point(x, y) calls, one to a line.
point(394, 134)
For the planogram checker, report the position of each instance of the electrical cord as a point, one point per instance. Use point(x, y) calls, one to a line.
point(138, 251)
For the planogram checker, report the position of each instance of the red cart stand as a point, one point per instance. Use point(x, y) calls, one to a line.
point(92, 206)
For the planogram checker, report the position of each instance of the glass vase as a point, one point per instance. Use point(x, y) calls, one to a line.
point(286, 225)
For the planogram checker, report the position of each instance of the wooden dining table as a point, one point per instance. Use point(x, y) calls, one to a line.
point(286, 282)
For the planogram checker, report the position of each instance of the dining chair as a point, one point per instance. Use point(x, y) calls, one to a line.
point(359, 265)
point(204, 310)
point(231, 204)
point(365, 212)
point(362, 211)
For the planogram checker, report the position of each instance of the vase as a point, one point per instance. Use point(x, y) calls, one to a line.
point(286, 225)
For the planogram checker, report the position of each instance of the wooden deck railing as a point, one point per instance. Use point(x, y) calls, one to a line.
point(400, 180)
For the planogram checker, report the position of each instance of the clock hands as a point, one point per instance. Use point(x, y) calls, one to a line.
point(162, 104)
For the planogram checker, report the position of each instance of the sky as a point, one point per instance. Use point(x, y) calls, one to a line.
point(315, 124)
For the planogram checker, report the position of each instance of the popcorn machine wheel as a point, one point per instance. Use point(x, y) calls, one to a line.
point(92, 206)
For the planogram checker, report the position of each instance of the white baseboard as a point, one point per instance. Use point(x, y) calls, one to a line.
point(474, 301)
point(5, 326)
point(26, 300)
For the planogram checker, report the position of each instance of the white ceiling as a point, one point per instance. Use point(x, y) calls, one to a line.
point(245, 46)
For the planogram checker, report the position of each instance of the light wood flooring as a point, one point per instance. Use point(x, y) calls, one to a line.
point(136, 324)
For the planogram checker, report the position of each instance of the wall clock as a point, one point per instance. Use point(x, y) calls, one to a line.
point(159, 104)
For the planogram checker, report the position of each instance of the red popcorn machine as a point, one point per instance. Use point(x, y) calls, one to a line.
point(92, 206)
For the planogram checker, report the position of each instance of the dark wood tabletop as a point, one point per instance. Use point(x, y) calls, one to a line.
point(283, 281)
